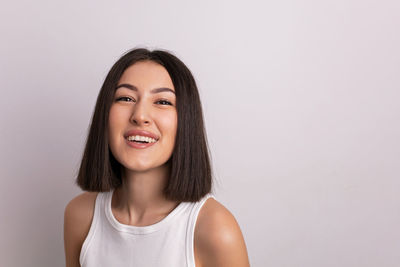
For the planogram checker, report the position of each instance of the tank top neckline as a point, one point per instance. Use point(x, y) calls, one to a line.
point(140, 230)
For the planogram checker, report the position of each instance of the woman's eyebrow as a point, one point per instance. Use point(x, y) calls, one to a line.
point(153, 91)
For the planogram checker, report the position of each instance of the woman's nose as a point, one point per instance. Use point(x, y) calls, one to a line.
point(140, 114)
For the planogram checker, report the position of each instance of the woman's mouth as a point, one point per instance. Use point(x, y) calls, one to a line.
point(137, 141)
point(141, 139)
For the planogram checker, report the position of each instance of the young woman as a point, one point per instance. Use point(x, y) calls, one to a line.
point(147, 174)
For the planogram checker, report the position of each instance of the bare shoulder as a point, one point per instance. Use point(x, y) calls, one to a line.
point(218, 240)
point(80, 209)
point(78, 217)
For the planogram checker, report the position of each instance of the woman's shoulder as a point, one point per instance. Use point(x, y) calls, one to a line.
point(218, 239)
point(78, 217)
point(81, 207)
point(79, 212)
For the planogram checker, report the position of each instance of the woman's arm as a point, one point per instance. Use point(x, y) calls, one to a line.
point(218, 240)
point(78, 216)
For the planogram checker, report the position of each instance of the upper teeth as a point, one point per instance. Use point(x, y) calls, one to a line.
point(141, 138)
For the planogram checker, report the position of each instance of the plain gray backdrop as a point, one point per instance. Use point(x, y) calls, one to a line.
point(302, 107)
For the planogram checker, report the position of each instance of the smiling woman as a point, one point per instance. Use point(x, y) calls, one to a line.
point(144, 102)
point(147, 174)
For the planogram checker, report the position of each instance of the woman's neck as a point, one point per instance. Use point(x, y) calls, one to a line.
point(141, 195)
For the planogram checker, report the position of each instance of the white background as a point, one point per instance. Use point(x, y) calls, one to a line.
point(301, 102)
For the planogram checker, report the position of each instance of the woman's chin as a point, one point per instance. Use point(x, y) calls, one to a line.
point(142, 167)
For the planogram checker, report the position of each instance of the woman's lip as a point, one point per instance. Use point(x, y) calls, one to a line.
point(141, 133)
point(138, 145)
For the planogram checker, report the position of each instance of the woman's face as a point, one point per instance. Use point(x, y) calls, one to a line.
point(144, 100)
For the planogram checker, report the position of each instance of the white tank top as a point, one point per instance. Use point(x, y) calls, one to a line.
point(168, 242)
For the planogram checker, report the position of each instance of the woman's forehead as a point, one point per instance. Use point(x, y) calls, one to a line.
point(146, 74)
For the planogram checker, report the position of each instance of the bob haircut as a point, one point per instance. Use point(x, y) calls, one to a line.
point(190, 174)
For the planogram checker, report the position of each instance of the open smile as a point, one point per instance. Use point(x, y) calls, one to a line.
point(139, 144)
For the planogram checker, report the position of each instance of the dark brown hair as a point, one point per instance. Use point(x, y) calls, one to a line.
point(191, 175)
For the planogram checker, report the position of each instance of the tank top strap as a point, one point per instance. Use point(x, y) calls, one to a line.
point(191, 227)
point(99, 203)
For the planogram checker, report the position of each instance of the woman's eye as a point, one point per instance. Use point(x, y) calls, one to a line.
point(164, 102)
point(124, 98)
